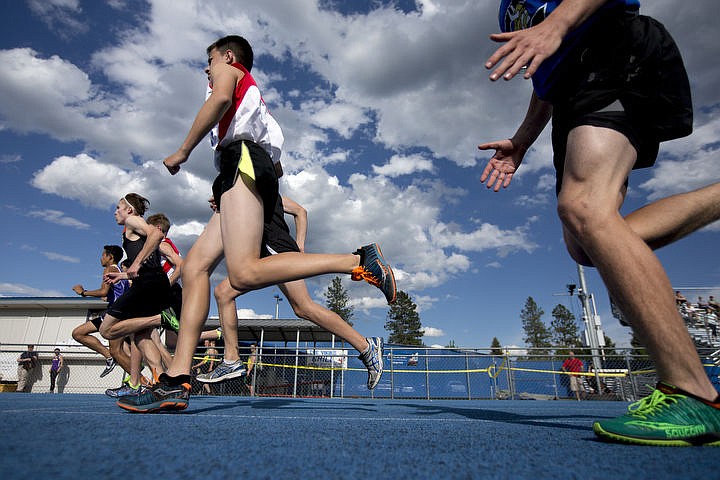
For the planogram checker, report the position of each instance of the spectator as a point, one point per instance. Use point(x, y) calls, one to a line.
point(714, 305)
point(27, 361)
point(680, 299)
point(56, 366)
point(572, 366)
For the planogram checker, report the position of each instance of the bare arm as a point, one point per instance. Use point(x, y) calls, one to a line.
point(98, 292)
point(509, 153)
point(225, 77)
point(531, 46)
point(173, 258)
point(153, 237)
point(299, 213)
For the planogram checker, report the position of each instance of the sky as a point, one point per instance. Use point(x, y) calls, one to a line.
point(382, 104)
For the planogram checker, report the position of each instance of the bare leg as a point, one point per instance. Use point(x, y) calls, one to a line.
point(112, 328)
point(119, 354)
point(667, 220)
point(597, 163)
point(164, 353)
point(225, 297)
point(304, 307)
point(149, 351)
point(242, 234)
point(82, 334)
point(135, 364)
point(200, 262)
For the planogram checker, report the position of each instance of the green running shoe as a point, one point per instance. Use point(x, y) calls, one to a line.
point(668, 417)
point(169, 321)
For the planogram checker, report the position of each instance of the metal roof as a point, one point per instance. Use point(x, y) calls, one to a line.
point(279, 330)
point(52, 302)
point(249, 329)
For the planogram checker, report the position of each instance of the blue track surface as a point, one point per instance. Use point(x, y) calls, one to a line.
point(87, 436)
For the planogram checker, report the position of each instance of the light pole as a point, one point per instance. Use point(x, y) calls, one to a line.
point(278, 299)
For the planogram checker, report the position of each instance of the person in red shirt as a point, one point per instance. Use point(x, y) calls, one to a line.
point(573, 365)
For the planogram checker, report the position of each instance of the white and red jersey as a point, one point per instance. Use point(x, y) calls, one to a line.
point(247, 119)
point(166, 265)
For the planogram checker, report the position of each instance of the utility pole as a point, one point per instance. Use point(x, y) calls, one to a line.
point(278, 299)
point(591, 321)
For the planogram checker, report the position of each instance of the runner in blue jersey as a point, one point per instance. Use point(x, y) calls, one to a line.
point(109, 259)
point(615, 86)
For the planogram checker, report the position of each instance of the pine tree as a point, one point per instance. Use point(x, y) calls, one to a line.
point(338, 300)
point(403, 321)
point(564, 330)
point(496, 347)
point(537, 335)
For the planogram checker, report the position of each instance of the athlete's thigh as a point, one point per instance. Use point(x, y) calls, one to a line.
point(85, 329)
point(207, 250)
point(597, 163)
point(241, 219)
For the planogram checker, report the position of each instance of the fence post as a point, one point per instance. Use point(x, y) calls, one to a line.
point(555, 377)
point(392, 374)
point(633, 387)
point(427, 374)
point(511, 380)
point(467, 374)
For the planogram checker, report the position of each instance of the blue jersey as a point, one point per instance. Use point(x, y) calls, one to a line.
point(117, 289)
point(521, 14)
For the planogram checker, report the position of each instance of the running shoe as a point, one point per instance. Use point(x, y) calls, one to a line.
point(372, 358)
point(123, 391)
point(375, 270)
point(667, 417)
point(169, 321)
point(163, 396)
point(109, 365)
point(224, 371)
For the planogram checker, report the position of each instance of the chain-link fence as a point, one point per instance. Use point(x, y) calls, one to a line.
point(410, 372)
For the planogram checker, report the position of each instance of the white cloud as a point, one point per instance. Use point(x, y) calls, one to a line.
point(17, 289)
point(60, 257)
point(404, 165)
point(432, 332)
point(59, 218)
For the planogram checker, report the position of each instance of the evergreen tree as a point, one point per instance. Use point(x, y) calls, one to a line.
point(537, 335)
point(337, 300)
point(564, 330)
point(451, 344)
point(495, 347)
point(403, 321)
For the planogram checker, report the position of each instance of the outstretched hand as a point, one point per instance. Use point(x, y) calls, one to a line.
point(503, 164)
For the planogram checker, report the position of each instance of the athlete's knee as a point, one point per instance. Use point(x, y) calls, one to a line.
point(245, 279)
point(77, 334)
point(224, 293)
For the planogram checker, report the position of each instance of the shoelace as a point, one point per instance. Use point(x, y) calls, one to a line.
point(362, 273)
point(646, 406)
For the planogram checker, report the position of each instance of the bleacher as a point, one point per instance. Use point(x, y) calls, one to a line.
point(702, 325)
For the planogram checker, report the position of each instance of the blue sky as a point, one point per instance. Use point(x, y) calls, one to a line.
point(382, 107)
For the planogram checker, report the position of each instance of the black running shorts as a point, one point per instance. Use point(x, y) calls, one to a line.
point(625, 74)
point(266, 182)
point(147, 296)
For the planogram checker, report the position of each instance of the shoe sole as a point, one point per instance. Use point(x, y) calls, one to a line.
point(107, 371)
point(388, 271)
point(382, 367)
point(706, 440)
point(165, 405)
point(229, 376)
